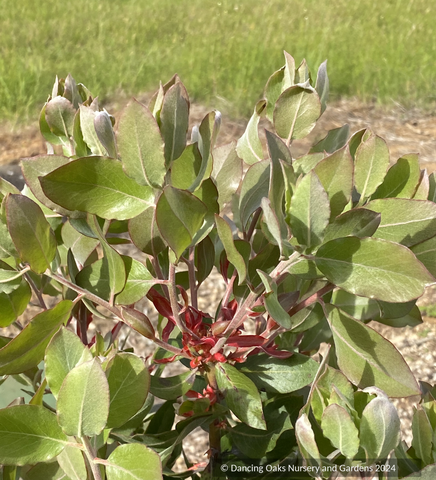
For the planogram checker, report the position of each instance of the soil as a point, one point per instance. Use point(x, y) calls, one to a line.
point(411, 131)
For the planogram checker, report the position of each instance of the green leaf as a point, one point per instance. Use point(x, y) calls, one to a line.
point(6, 187)
point(174, 119)
point(141, 146)
point(81, 148)
point(255, 186)
point(95, 278)
point(371, 163)
point(83, 400)
point(144, 232)
point(64, 352)
point(401, 179)
point(27, 349)
point(105, 133)
point(7, 248)
point(81, 245)
point(335, 173)
point(310, 211)
point(133, 462)
point(44, 471)
point(373, 268)
point(272, 304)
point(226, 172)
point(422, 435)
point(277, 83)
point(129, 382)
point(30, 232)
point(379, 428)
point(179, 215)
point(331, 383)
point(306, 439)
point(170, 388)
point(334, 140)
point(339, 428)
point(296, 112)
point(241, 395)
point(425, 252)
point(405, 221)
point(139, 281)
point(13, 304)
point(186, 168)
point(29, 434)
point(256, 443)
point(249, 147)
point(360, 308)
point(322, 85)
point(71, 92)
point(368, 359)
point(59, 115)
point(279, 375)
point(35, 167)
point(117, 271)
point(72, 463)
point(306, 163)
point(359, 222)
point(138, 321)
point(99, 186)
point(44, 127)
point(233, 255)
point(204, 259)
point(87, 118)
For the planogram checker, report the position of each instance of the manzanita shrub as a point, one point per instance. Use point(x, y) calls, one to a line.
point(285, 375)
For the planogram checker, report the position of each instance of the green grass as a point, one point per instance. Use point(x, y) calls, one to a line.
point(224, 50)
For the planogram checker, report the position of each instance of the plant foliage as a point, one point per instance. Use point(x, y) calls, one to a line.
point(286, 374)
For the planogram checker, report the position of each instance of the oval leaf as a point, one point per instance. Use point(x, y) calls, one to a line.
point(29, 434)
point(379, 428)
point(335, 173)
point(179, 215)
point(31, 233)
point(139, 281)
point(371, 163)
point(174, 118)
point(170, 388)
point(254, 187)
point(83, 400)
point(279, 375)
point(27, 349)
point(241, 394)
point(64, 352)
point(249, 147)
point(133, 462)
point(296, 112)
point(339, 428)
point(373, 268)
point(404, 221)
point(129, 382)
point(97, 185)
point(72, 463)
point(233, 255)
point(226, 172)
point(141, 146)
point(368, 359)
point(310, 211)
point(358, 222)
point(401, 179)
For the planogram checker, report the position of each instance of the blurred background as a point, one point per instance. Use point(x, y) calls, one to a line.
point(224, 50)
